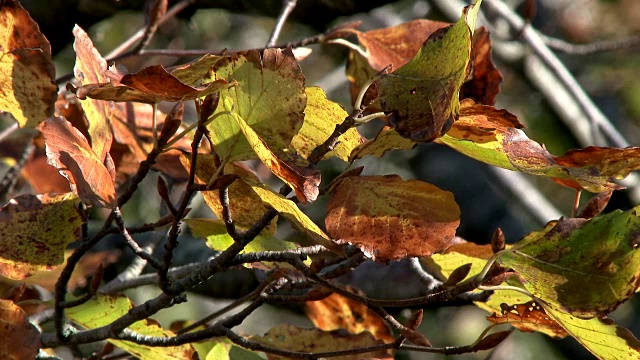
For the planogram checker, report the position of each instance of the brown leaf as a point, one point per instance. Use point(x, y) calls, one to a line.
point(416, 337)
point(26, 70)
point(69, 152)
point(485, 80)
point(492, 340)
point(90, 68)
point(338, 312)
point(397, 45)
point(527, 317)
point(150, 85)
point(293, 338)
point(458, 275)
point(391, 219)
point(595, 205)
point(34, 231)
point(497, 241)
point(20, 339)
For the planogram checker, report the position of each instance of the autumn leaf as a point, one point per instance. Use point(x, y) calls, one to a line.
point(69, 151)
point(104, 309)
point(27, 241)
point(215, 232)
point(494, 137)
point(338, 312)
point(321, 116)
point(269, 97)
point(224, 349)
point(485, 80)
point(527, 317)
point(90, 68)
point(150, 85)
point(20, 339)
point(387, 139)
point(245, 205)
point(421, 97)
point(585, 267)
point(389, 218)
point(26, 70)
point(293, 338)
point(595, 205)
point(294, 170)
point(602, 337)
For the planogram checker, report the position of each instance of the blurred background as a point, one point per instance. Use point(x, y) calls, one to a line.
point(488, 198)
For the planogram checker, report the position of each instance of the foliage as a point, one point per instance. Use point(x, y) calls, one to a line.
point(429, 82)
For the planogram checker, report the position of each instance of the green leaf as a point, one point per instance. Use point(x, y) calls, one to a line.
point(288, 166)
point(224, 349)
point(269, 97)
point(104, 309)
point(600, 336)
point(387, 139)
point(421, 97)
point(389, 218)
point(320, 119)
point(585, 267)
point(494, 137)
point(34, 232)
point(215, 232)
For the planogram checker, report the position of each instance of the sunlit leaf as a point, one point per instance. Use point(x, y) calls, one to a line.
point(26, 70)
point(528, 316)
point(338, 312)
point(90, 68)
point(389, 218)
point(387, 139)
point(462, 253)
point(290, 211)
point(104, 309)
point(69, 151)
point(320, 119)
point(493, 137)
point(245, 205)
point(269, 97)
point(215, 232)
point(421, 97)
point(224, 349)
point(20, 339)
point(585, 267)
point(602, 337)
point(294, 170)
point(34, 232)
point(293, 338)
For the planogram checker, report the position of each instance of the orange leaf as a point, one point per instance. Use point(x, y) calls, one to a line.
point(391, 219)
point(90, 68)
point(69, 152)
point(527, 317)
point(20, 339)
point(338, 312)
point(485, 80)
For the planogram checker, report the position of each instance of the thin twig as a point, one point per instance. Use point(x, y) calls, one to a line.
point(155, 263)
point(287, 8)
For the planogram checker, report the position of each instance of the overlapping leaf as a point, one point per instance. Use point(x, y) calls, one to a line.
point(602, 337)
point(585, 267)
point(485, 80)
point(245, 205)
point(461, 253)
point(69, 151)
point(493, 137)
point(26, 70)
point(215, 232)
point(338, 312)
point(34, 232)
point(154, 84)
point(293, 338)
point(294, 170)
point(224, 349)
point(20, 339)
point(269, 97)
point(389, 218)
point(90, 68)
point(320, 119)
point(104, 309)
point(421, 97)
point(387, 139)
